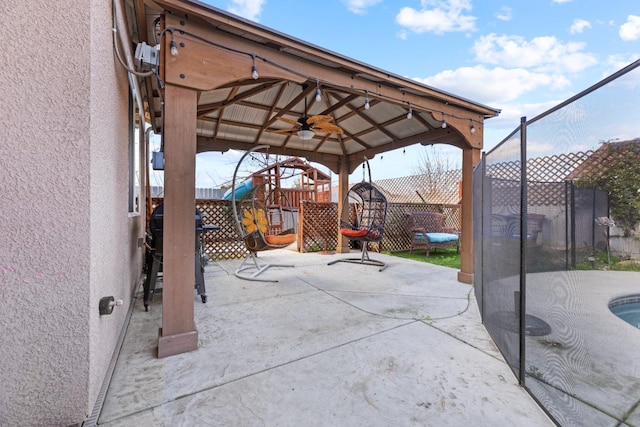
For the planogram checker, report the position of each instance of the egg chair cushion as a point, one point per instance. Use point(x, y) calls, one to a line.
point(349, 232)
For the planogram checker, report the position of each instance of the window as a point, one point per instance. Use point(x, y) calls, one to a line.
point(135, 135)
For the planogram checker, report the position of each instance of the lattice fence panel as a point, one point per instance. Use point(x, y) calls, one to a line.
point(223, 243)
point(443, 188)
point(218, 244)
point(318, 226)
point(396, 236)
point(546, 176)
point(555, 168)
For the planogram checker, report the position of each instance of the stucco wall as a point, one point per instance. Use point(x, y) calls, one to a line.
point(66, 237)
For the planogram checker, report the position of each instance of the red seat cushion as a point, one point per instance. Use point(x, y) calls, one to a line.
point(348, 232)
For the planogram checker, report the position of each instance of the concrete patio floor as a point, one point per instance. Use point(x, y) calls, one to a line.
point(340, 345)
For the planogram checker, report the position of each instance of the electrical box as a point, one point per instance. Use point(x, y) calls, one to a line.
point(157, 160)
point(147, 57)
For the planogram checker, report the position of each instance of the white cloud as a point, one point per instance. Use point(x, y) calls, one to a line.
point(561, 1)
point(493, 86)
point(248, 9)
point(445, 16)
point(359, 7)
point(630, 30)
point(504, 14)
point(543, 54)
point(579, 25)
point(617, 62)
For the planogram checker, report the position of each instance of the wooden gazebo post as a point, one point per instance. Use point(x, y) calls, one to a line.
point(178, 333)
point(470, 157)
point(343, 188)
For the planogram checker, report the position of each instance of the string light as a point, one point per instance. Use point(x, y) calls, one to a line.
point(318, 93)
point(254, 69)
point(366, 101)
point(254, 74)
point(473, 127)
point(173, 47)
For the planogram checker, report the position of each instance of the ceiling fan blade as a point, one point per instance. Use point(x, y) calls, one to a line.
point(327, 128)
point(289, 130)
point(291, 122)
point(319, 119)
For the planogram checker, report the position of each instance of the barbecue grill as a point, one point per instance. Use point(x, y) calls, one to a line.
point(153, 256)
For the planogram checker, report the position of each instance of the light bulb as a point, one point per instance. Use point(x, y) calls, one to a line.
point(366, 104)
point(444, 124)
point(254, 72)
point(318, 95)
point(473, 129)
point(173, 48)
point(410, 113)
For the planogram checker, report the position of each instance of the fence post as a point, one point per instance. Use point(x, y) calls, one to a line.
point(522, 308)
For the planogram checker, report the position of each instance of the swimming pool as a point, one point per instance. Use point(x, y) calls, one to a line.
point(627, 308)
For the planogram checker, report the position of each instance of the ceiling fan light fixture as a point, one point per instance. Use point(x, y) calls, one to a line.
point(305, 134)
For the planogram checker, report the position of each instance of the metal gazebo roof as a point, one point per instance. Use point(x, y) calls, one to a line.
point(217, 52)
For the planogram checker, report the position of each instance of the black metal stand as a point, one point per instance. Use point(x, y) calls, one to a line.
point(364, 259)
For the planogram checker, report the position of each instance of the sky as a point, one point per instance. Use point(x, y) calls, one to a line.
point(520, 56)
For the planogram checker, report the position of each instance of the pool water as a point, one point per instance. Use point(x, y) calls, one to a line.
point(628, 309)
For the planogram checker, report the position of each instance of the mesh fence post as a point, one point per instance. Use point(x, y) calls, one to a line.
point(522, 309)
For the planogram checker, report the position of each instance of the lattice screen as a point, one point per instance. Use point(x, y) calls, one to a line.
point(318, 222)
point(443, 188)
point(546, 177)
point(317, 226)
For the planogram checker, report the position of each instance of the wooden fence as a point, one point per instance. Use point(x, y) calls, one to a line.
point(317, 227)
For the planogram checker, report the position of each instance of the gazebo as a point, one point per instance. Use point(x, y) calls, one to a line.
point(220, 82)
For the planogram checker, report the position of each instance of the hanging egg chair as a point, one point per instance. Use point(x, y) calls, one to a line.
point(367, 224)
point(265, 220)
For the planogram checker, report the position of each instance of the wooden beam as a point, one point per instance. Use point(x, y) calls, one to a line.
point(355, 74)
point(178, 333)
point(212, 58)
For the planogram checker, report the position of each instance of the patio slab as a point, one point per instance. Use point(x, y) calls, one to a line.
point(340, 345)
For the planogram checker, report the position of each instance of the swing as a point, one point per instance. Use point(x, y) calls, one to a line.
point(265, 221)
point(371, 210)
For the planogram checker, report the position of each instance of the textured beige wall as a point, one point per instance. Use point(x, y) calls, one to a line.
point(66, 238)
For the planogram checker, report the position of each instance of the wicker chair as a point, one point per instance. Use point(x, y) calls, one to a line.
point(427, 230)
point(371, 208)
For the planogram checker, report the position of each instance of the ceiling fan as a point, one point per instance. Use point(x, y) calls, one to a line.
point(307, 126)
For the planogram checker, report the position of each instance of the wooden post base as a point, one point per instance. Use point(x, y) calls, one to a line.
point(465, 277)
point(176, 344)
